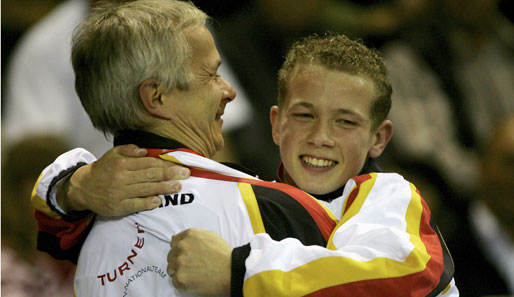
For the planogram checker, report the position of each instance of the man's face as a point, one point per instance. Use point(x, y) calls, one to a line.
point(198, 110)
point(324, 128)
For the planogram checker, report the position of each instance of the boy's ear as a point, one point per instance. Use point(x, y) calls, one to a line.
point(383, 135)
point(151, 93)
point(274, 119)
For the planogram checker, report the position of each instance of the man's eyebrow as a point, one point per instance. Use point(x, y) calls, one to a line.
point(217, 65)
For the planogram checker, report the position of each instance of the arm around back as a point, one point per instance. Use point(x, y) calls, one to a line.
point(76, 185)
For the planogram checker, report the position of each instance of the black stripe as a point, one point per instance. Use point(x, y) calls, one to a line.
point(449, 267)
point(284, 217)
point(238, 269)
point(72, 216)
point(51, 244)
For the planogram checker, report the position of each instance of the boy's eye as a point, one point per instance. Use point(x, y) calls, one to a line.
point(303, 115)
point(346, 122)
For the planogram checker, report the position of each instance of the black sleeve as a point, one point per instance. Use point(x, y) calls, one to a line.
point(238, 269)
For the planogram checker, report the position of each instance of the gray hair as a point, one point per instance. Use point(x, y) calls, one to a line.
point(121, 45)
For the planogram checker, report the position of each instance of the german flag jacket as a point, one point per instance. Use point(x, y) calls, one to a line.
point(377, 240)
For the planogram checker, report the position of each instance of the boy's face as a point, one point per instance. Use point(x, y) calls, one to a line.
point(324, 128)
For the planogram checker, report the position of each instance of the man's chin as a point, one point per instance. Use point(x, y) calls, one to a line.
point(219, 144)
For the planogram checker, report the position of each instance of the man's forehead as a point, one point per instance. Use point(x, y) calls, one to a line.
point(203, 46)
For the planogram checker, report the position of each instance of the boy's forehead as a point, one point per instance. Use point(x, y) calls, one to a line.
point(330, 89)
point(306, 77)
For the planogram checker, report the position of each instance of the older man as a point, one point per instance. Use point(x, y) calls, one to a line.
point(330, 125)
point(146, 72)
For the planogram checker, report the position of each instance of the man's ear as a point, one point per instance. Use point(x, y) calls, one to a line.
point(382, 136)
point(150, 93)
point(274, 115)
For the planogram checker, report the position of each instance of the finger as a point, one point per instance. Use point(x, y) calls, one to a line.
point(177, 238)
point(146, 162)
point(151, 189)
point(132, 205)
point(130, 150)
point(179, 285)
point(157, 174)
point(171, 268)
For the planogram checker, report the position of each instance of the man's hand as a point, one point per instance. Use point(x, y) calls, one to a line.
point(199, 263)
point(122, 182)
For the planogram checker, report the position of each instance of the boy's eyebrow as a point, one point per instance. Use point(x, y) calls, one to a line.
point(342, 111)
point(349, 112)
point(345, 111)
point(303, 104)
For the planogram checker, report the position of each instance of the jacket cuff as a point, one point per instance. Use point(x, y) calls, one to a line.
point(51, 195)
point(238, 269)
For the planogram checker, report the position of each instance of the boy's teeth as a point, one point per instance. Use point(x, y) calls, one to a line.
point(317, 162)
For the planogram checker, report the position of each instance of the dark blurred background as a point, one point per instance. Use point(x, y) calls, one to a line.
point(451, 63)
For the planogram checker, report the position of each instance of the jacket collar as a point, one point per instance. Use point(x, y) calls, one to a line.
point(146, 140)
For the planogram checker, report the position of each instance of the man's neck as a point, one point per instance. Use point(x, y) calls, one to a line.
point(146, 139)
point(182, 133)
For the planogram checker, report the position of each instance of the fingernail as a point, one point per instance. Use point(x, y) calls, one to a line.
point(156, 201)
point(183, 172)
point(139, 150)
point(175, 187)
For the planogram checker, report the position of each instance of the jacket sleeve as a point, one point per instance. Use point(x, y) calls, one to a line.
point(60, 234)
point(385, 244)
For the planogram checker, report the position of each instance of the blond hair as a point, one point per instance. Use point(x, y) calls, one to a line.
point(338, 52)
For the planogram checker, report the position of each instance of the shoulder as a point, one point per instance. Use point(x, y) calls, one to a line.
point(377, 179)
point(388, 188)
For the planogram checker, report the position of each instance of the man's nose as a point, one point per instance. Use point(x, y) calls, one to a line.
point(321, 135)
point(228, 92)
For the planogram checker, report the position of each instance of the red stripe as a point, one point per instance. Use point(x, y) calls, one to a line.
point(317, 212)
point(156, 152)
point(417, 284)
point(358, 181)
point(325, 223)
point(69, 233)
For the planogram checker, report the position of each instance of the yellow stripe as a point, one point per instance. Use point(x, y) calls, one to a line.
point(335, 271)
point(328, 211)
point(170, 158)
point(177, 161)
point(40, 203)
point(252, 207)
point(446, 289)
point(413, 219)
point(341, 270)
